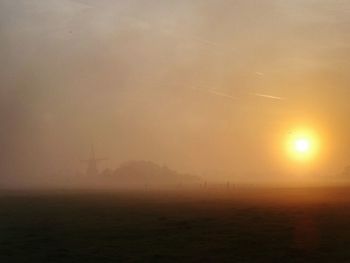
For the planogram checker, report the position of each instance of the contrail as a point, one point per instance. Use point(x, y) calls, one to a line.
point(217, 93)
point(222, 94)
point(267, 96)
point(225, 95)
point(214, 46)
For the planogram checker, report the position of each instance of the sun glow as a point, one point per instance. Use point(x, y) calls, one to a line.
point(302, 145)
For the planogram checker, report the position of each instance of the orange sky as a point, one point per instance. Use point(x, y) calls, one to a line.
point(203, 86)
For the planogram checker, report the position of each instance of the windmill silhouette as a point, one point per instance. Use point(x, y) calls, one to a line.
point(92, 163)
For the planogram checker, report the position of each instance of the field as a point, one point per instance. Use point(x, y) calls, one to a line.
point(249, 225)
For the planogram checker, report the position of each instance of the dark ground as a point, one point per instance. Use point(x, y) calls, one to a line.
point(287, 226)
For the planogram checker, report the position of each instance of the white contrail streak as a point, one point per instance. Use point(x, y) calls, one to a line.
point(267, 96)
point(221, 94)
point(217, 93)
point(225, 95)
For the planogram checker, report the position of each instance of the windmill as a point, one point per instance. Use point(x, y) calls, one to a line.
point(92, 169)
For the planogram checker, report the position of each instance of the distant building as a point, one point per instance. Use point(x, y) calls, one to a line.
point(92, 163)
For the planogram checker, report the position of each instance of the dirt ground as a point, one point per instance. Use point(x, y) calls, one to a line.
point(268, 225)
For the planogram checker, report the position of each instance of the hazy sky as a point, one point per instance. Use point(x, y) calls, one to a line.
point(202, 86)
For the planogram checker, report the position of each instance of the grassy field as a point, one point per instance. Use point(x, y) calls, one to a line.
point(304, 225)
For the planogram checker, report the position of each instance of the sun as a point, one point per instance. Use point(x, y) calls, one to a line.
point(302, 145)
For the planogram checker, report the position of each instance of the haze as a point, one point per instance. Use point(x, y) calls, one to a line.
point(210, 88)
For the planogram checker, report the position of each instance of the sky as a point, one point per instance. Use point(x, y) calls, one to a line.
point(202, 86)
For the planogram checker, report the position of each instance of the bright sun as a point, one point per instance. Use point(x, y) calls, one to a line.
point(302, 145)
